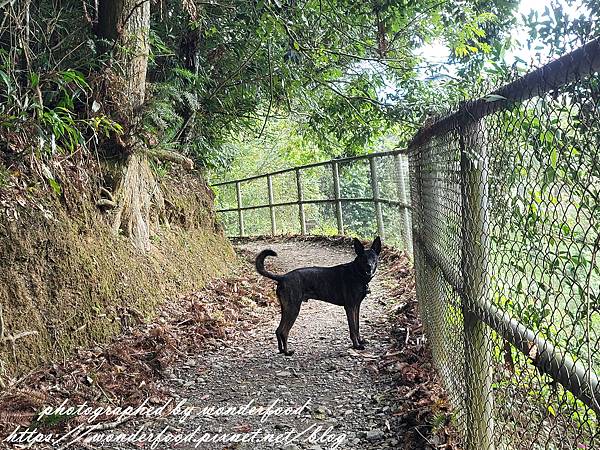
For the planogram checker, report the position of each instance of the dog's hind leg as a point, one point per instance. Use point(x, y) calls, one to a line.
point(352, 316)
point(289, 313)
point(279, 332)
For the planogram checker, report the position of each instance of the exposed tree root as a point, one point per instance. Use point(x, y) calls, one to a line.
point(106, 203)
point(138, 200)
point(167, 155)
point(141, 205)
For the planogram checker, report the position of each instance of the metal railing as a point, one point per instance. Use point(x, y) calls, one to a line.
point(383, 185)
point(505, 194)
point(505, 225)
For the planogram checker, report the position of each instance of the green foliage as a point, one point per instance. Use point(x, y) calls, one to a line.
point(557, 29)
point(45, 96)
point(4, 176)
point(222, 70)
point(52, 420)
point(468, 40)
point(49, 107)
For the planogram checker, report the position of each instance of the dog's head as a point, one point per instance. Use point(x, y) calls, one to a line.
point(367, 259)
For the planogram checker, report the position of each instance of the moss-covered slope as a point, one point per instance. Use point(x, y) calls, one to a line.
point(65, 276)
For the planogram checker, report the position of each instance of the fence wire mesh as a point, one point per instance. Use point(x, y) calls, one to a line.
point(505, 197)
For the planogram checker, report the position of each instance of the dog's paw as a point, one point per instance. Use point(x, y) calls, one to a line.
point(359, 347)
point(363, 341)
point(289, 353)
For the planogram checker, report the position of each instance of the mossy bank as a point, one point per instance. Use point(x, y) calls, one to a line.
point(66, 276)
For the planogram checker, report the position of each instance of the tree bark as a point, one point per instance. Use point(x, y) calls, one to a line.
point(140, 204)
point(127, 24)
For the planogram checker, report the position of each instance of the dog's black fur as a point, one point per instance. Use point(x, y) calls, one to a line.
point(345, 285)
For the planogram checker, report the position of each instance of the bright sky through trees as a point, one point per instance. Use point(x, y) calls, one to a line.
point(438, 52)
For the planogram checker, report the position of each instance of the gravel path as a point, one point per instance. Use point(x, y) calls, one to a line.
point(347, 405)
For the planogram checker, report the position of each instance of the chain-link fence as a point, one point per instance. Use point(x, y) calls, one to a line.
point(506, 230)
point(506, 233)
point(361, 196)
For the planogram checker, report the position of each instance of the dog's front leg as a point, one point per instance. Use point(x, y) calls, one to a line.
point(352, 325)
point(361, 341)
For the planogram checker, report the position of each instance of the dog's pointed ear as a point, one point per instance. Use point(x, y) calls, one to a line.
point(376, 245)
point(358, 247)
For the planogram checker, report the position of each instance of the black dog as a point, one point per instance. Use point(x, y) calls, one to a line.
point(345, 285)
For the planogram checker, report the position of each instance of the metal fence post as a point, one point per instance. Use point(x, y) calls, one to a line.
point(474, 265)
point(402, 185)
point(300, 202)
point(238, 193)
point(375, 189)
point(271, 208)
point(336, 192)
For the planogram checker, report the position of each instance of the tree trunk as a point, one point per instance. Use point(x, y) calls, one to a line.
point(127, 23)
point(138, 194)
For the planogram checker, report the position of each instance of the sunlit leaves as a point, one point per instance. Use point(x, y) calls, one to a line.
point(469, 38)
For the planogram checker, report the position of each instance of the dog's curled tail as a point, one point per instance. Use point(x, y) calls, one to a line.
point(260, 265)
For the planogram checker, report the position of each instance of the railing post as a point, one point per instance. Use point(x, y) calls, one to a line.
point(402, 186)
point(375, 189)
point(271, 208)
point(474, 268)
point(300, 202)
point(336, 192)
point(238, 193)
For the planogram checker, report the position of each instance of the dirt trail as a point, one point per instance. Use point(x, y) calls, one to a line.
point(349, 405)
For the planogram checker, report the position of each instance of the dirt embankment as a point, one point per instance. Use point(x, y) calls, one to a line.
point(66, 280)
